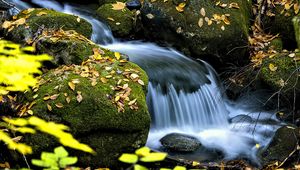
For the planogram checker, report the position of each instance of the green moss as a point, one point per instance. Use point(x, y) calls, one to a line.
point(66, 50)
point(282, 24)
point(96, 119)
point(286, 76)
point(49, 19)
point(276, 44)
point(120, 21)
point(207, 40)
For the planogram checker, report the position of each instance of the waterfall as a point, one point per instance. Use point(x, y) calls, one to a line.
point(184, 96)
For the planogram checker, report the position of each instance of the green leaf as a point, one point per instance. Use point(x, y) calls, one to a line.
point(154, 157)
point(48, 156)
point(139, 167)
point(60, 152)
point(128, 158)
point(40, 163)
point(144, 151)
point(63, 162)
point(179, 168)
point(165, 169)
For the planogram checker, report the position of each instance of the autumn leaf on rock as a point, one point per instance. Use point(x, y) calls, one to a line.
point(59, 105)
point(272, 67)
point(71, 85)
point(200, 22)
point(49, 107)
point(117, 55)
point(202, 12)
point(79, 96)
point(118, 6)
point(41, 13)
point(180, 7)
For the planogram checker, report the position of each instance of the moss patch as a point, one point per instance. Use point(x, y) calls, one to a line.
point(39, 19)
point(120, 21)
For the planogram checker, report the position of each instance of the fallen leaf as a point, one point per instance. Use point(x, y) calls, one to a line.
point(53, 97)
point(202, 12)
point(103, 80)
point(234, 5)
point(41, 13)
point(200, 22)
point(141, 82)
point(79, 96)
point(49, 107)
point(59, 105)
point(134, 76)
point(117, 55)
point(78, 19)
point(272, 67)
point(150, 16)
point(118, 6)
point(71, 85)
point(131, 102)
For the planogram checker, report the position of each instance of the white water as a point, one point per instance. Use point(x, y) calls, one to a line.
point(184, 96)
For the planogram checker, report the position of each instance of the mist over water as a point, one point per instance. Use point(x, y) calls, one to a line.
point(184, 96)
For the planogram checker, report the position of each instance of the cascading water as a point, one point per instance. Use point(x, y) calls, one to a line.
point(184, 96)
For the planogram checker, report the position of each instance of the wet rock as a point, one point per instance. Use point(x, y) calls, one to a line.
point(29, 24)
point(197, 32)
point(94, 118)
point(133, 4)
point(120, 21)
point(241, 119)
point(282, 146)
point(180, 142)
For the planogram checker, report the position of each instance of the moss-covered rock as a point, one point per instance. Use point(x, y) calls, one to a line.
point(102, 101)
point(202, 28)
point(30, 23)
point(67, 47)
point(120, 21)
point(282, 73)
point(283, 144)
point(281, 23)
point(296, 22)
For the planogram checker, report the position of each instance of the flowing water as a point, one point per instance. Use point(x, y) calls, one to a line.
point(184, 96)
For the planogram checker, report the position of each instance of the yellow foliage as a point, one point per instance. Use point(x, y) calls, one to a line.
point(18, 67)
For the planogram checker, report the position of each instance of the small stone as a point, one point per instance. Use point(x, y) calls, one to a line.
point(180, 142)
point(133, 4)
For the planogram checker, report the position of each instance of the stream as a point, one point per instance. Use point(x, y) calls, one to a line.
point(186, 96)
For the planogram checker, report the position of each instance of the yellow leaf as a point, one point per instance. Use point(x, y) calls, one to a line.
point(68, 100)
point(272, 67)
point(234, 5)
point(117, 55)
point(117, 98)
point(71, 85)
point(49, 107)
point(103, 80)
point(141, 82)
point(30, 112)
point(78, 19)
point(200, 22)
point(132, 102)
point(41, 13)
point(118, 5)
point(6, 24)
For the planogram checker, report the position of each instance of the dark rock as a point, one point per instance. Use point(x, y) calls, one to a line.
point(241, 119)
point(216, 42)
point(282, 146)
point(180, 142)
point(133, 4)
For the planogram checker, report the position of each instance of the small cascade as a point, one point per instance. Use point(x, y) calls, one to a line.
point(184, 96)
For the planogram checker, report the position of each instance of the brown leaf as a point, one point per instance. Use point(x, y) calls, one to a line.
point(53, 97)
point(131, 102)
point(59, 105)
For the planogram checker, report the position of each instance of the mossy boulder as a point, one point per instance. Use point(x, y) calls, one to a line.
point(30, 23)
point(102, 101)
point(281, 23)
point(120, 21)
point(281, 73)
point(282, 146)
point(67, 47)
point(201, 28)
